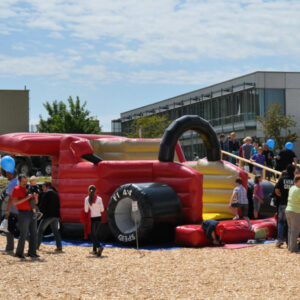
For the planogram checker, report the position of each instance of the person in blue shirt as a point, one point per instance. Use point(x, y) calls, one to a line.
point(11, 212)
point(209, 227)
point(254, 147)
point(259, 158)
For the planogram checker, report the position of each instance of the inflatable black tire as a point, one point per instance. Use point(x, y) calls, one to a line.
point(156, 202)
point(180, 126)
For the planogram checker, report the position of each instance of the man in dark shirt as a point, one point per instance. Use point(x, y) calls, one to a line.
point(222, 142)
point(269, 155)
point(282, 191)
point(224, 145)
point(50, 206)
point(286, 157)
point(233, 146)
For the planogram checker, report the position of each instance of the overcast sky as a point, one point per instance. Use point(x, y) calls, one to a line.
point(121, 54)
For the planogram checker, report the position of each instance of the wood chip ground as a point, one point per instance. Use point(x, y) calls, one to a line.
point(261, 272)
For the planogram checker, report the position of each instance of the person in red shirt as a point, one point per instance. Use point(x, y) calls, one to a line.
point(26, 221)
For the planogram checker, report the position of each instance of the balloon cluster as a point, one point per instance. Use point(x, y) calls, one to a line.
point(8, 164)
point(271, 144)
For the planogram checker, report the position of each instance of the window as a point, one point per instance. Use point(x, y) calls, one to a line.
point(274, 95)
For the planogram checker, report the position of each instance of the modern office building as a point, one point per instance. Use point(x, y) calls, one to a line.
point(232, 105)
point(14, 111)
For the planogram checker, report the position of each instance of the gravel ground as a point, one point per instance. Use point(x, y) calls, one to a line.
point(261, 272)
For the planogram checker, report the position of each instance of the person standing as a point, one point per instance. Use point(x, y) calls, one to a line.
point(11, 213)
point(93, 204)
point(282, 187)
point(224, 145)
point(254, 147)
point(259, 158)
point(286, 157)
point(269, 155)
point(26, 221)
point(247, 152)
point(258, 196)
point(239, 200)
point(233, 146)
point(50, 206)
point(293, 215)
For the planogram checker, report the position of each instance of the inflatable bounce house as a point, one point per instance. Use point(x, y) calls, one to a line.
point(139, 190)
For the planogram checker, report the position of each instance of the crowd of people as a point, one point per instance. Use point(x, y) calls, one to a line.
point(30, 211)
point(287, 201)
point(258, 153)
point(286, 193)
point(26, 206)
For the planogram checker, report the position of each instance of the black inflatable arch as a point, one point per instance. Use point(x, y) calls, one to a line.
point(180, 126)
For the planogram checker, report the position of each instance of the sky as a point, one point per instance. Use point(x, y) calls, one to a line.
point(118, 55)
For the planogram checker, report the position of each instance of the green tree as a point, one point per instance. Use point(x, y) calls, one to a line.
point(277, 126)
point(73, 119)
point(151, 126)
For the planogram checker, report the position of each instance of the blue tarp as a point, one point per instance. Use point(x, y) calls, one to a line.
point(112, 245)
point(115, 245)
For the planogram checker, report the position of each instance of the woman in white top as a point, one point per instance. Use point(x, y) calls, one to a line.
point(94, 204)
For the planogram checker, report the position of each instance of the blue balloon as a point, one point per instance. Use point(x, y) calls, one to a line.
point(8, 164)
point(270, 143)
point(289, 145)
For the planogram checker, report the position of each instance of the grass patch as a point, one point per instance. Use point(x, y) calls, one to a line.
point(4, 181)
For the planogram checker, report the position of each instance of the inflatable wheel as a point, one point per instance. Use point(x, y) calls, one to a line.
point(141, 205)
point(179, 127)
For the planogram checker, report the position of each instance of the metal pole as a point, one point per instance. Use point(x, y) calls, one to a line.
point(136, 233)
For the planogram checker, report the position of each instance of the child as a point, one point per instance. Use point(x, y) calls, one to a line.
point(94, 205)
point(259, 158)
point(239, 199)
point(209, 227)
point(33, 188)
point(257, 195)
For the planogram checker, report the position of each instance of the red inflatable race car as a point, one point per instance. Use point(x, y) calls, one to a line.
point(135, 193)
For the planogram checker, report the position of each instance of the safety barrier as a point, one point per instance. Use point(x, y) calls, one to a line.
point(264, 168)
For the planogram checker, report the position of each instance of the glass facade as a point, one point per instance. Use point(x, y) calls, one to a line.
point(232, 111)
point(116, 126)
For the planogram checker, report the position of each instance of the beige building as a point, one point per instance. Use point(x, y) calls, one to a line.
point(14, 111)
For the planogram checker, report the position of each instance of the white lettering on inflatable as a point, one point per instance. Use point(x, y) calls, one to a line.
point(127, 192)
point(125, 238)
point(116, 196)
point(134, 206)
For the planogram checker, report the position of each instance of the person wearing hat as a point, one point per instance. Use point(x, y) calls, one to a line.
point(94, 206)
